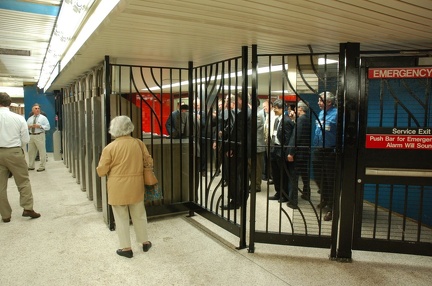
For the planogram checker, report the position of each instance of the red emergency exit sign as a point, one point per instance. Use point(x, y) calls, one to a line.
point(414, 72)
point(398, 138)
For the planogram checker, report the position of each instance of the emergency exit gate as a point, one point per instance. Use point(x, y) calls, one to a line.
point(394, 173)
point(133, 89)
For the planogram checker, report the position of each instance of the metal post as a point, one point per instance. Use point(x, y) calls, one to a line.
point(251, 248)
point(349, 93)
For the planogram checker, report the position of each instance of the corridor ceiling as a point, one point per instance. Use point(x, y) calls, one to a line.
point(173, 32)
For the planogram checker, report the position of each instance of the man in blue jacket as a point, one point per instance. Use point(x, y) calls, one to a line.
point(325, 154)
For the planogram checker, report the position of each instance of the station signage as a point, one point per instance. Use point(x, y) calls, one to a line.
point(399, 138)
point(408, 72)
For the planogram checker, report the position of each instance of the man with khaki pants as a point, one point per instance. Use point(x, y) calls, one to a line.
point(13, 134)
point(38, 124)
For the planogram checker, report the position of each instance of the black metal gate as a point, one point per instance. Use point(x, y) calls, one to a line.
point(380, 197)
point(287, 77)
point(393, 210)
point(295, 78)
point(220, 190)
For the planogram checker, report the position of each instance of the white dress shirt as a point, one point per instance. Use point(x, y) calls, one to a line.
point(13, 129)
point(40, 120)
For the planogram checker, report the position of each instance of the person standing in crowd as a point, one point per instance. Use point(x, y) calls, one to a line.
point(216, 120)
point(38, 124)
point(261, 148)
point(234, 151)
point(269, 118)
point(282, 157)
point(291, 112)
point(13, 135)
point(302, 158)
point(176, 122)
point(224, 124)
point(324, 161)
point(169, 124)
point(200, 118)
point(123, 161)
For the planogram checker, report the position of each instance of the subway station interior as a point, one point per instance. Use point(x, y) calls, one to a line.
point(143, 59)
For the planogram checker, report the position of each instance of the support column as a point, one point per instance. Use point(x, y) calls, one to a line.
point(349, 92)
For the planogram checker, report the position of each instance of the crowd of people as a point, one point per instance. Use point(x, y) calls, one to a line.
point(286, 151)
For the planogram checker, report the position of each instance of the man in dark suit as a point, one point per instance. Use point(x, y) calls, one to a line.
point(200, 121)
point(282, 157)
point(303, 144)
point(176, 123)
point(234, 153)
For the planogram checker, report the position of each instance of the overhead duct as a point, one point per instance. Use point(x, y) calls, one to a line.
point(13, 52)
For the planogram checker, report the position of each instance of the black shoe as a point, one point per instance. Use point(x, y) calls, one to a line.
point(225, 184)
point(274, 198)
point(6, 220)
point(230, 206)
point(283, 200)
point(270, 182)
point(125, 253)
point(147, 246)
point(305, 197)
point(291, 205)
point(328, 216)
point(321, 205)
point(264, 178)
point(31, 169)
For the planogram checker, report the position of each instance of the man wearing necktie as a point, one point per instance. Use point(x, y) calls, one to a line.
point(234, 151)
point(282, 157)
point(269, 118)
point(38, 124)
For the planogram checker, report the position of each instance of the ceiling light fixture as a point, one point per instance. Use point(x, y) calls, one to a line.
point(13, 91)
point(324, 61)
point(100, 13)
point(72, 13)
point(212, 78)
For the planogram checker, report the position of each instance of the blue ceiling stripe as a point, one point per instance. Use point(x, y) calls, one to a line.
point(20, 6)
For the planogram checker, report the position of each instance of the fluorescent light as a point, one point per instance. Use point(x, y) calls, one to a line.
point(212, 78)
point(53, 75)
point(286, 91)
point(13, 91)
point(272, 68)
point(323, 61)
point(72, 12)
point(101, 12)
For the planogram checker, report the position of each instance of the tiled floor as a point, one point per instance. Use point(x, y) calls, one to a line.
point(71, 245)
